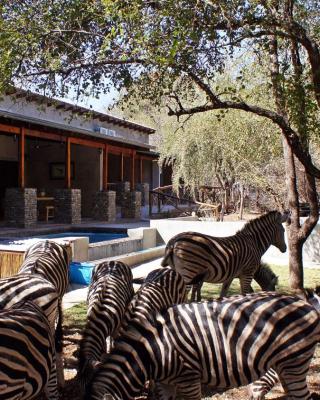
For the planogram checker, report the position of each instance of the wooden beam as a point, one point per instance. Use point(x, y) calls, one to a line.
point(87, 142)
point(10, 129)
point(122, 167)
point(45, 135)
point(118, 150)
point(132, 169)
point(105, 168)
point(21, 158)
point(68, 164)
point(141, 170)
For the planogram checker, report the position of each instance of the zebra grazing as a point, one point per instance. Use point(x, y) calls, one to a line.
point(109, 293)
point(50, 260)
point(161, 289)
point(202, 258)
point(27, 353)
point(220, 344)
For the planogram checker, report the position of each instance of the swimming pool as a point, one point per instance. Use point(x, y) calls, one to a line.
point(94, 237)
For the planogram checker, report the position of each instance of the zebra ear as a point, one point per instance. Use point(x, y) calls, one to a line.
point(138, 281)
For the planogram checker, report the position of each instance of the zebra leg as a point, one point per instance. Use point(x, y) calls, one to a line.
point(164, 391)
point(59, 347)
point(245, 284)
point(190, 390)
point(51, 388)
point(193, 292)
point(225, 287)
point(196, 291)
point(199, 287)
point(259, 388)
point(293, 378)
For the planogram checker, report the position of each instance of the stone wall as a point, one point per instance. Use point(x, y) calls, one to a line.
point(131, 205)
point(104, 206)
point(121, 188)
point(21, 207)
point(68, 206)
point(144, 188)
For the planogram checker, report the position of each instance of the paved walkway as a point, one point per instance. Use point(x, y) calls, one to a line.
point(78, 293)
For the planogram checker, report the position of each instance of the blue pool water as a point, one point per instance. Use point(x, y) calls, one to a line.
point(94, 237)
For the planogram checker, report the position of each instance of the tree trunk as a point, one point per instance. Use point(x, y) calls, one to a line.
point(295, 261)
point(241, 202)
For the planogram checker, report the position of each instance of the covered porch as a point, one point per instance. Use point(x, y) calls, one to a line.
point(51, 176)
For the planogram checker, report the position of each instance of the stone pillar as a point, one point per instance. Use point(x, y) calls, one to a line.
point(68, 206)
point(21, 207)
point(131, 205)
point(120, 188)
point(104, 206)
point(144, 189)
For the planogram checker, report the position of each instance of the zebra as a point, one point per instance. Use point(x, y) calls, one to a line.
point(202, 258)
point(50, 260)
point(260, 388)
point(162, 288)
point(109, 293)
point(26, 287)
point(220, 344)
point(264, 276)
point(27, 353)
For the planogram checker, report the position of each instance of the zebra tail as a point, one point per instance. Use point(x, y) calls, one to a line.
point(59, 331)
point(168, 255)
point(168, 258)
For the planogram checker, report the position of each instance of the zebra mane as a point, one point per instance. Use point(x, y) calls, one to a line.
point(247, 228)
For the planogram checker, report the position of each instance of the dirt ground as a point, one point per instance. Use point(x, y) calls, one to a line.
point(71, 390)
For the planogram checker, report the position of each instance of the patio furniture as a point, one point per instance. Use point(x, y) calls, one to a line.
point(45, 206)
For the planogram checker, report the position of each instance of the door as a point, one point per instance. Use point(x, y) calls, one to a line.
point(9, 173)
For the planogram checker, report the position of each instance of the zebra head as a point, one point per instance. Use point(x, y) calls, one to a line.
point(266, 278)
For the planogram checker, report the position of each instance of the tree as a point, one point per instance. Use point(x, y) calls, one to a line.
point(176, 48)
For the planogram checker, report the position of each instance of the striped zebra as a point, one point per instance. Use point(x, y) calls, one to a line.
point(161, 289)
point(50, 260)
point(202, 258)
point(264, 276)
point(220, 344)
point(109, 293)
point(25, 287)
point(260, 388)
point(27, 353)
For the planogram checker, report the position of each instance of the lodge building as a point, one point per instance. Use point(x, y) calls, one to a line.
point(64, 162)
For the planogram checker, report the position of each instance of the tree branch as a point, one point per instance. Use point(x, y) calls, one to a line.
point(287, 131)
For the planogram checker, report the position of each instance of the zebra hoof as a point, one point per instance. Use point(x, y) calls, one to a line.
point(255, 392)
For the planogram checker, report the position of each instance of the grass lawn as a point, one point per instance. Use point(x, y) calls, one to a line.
point(76, 315)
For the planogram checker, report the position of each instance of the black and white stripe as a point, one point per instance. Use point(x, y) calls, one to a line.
point(109, 293)
point(23, 287)
point(161, 289)
point(27, 354)
point(264, 276)
point(203, 258)
point(49, 260)
point(221, 344)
